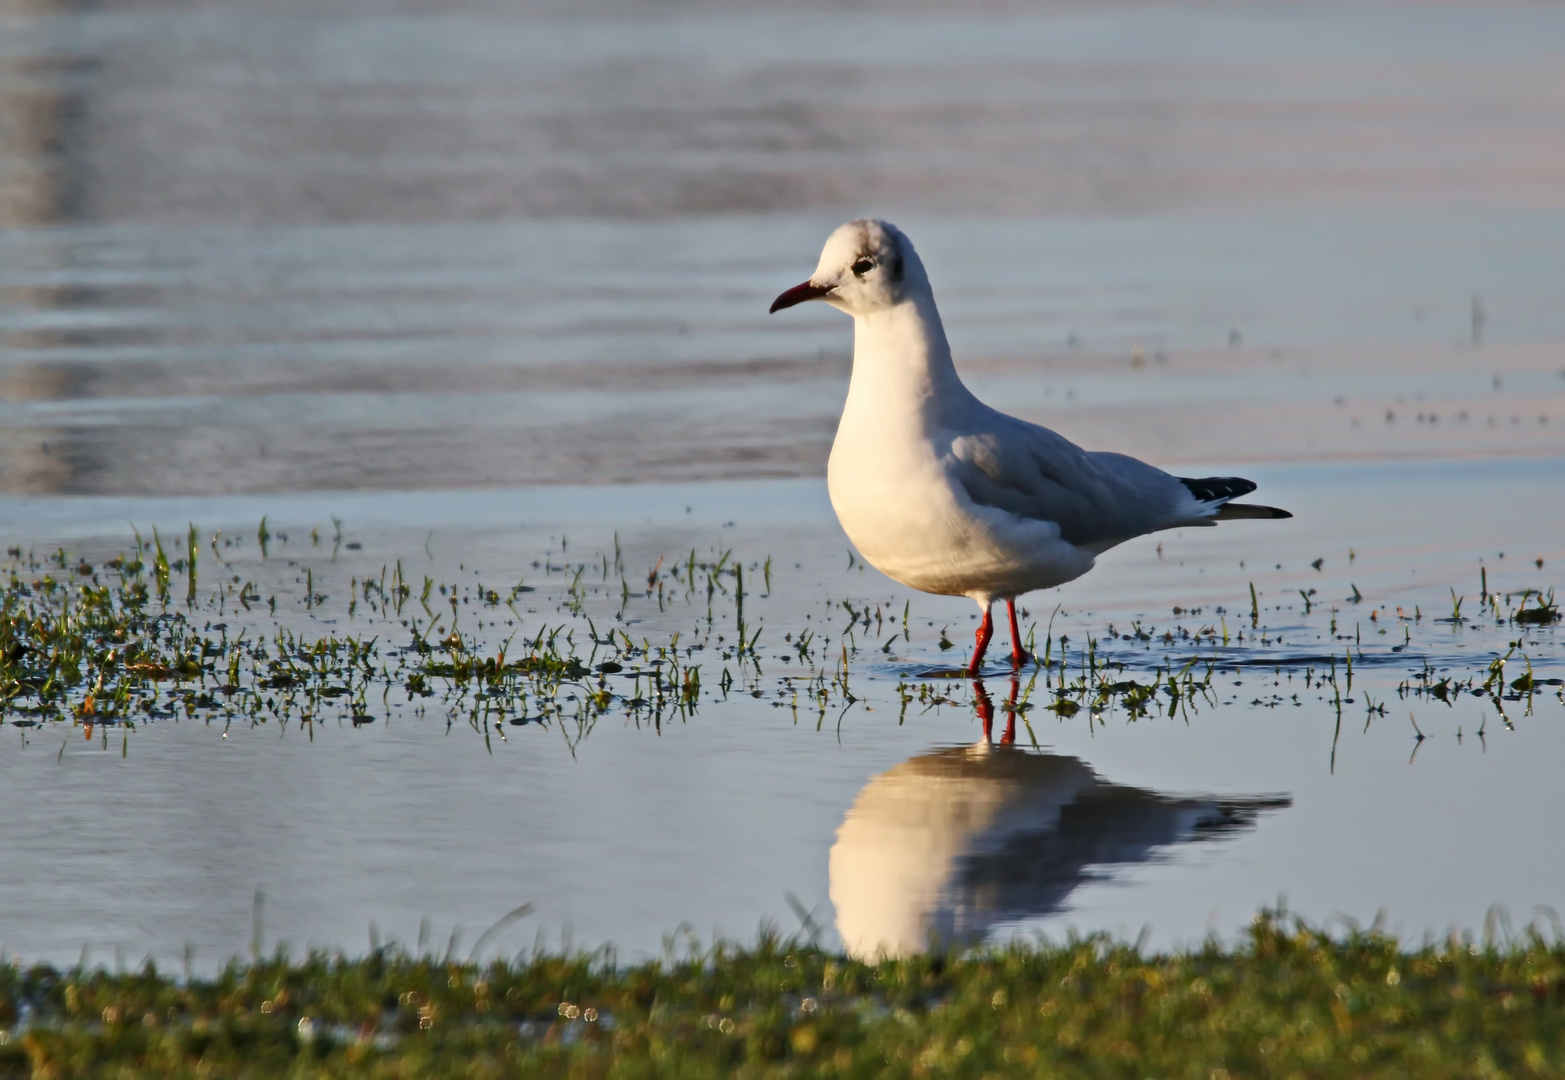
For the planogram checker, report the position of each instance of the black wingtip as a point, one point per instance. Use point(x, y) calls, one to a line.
point(1213, 488)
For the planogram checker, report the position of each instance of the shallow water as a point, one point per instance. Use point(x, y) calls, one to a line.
point(626, 829)
point(474, 281)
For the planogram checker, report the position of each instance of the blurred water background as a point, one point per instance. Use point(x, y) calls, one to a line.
point(274, 246)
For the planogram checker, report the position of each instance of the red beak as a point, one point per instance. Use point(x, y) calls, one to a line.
point(798, 295)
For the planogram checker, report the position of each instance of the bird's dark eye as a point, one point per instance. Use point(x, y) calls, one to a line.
point(863, 266)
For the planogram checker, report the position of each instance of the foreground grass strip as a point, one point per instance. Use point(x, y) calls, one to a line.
point(1288, 1000)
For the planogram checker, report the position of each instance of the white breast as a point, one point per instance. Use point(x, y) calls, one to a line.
point(897, 507)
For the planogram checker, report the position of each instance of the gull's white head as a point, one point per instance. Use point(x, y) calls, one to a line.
point(866, 266)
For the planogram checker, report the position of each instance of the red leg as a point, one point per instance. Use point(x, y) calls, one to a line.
point(1018, 654)
point(984, 707)
point(1009, 737)
point(981, 643)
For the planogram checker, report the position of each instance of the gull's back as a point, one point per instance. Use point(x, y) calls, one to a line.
point(1096, 499)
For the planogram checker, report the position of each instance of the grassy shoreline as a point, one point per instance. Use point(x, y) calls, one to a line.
point(1288, 999)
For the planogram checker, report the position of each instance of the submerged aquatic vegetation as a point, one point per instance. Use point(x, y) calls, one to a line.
point(1287, 999)
point(270, 632)
point(111, 644)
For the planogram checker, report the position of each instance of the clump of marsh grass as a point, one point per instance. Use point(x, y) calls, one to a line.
point(273, 634)
point(106, 645)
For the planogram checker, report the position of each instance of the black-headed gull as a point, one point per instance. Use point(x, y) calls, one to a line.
point(944, 494)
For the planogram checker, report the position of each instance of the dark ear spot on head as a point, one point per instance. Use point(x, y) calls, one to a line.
point(894, 264)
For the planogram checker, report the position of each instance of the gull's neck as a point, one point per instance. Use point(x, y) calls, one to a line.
point(902, 362)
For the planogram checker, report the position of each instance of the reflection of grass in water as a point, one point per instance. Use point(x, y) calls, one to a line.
point(1285, 1000)
point(112, 645)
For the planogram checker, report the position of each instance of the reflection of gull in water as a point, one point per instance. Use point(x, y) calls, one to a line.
point(949, 843)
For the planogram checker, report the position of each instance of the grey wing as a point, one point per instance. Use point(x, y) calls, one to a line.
point(1096, 499)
